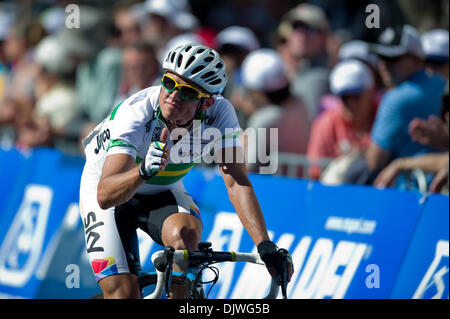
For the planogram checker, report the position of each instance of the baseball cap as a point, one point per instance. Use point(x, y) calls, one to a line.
point(178, 40)
point(53, 55)
point(238, 36)
point(166, 7)
point(397, 41)
point(263, 69)
point(53, 19)
point(177, 12)
point(350, 77)
point(435, 44)
point(357, 49)
point(307, 13)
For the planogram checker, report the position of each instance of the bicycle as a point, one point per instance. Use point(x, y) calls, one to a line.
point(203, 258)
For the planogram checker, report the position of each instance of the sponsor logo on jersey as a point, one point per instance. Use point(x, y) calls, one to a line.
point(101, 139)
point(194, 211)
point(92, 236)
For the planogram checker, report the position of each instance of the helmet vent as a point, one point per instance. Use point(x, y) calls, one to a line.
point(198, 69)
point(188, 48)
point(207, 74)
point(209, 59)
point(180, 60)
point(191, 59)
point(215, 82)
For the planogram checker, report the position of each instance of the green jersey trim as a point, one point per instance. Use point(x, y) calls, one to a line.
point(113, 113)
point(113, 143)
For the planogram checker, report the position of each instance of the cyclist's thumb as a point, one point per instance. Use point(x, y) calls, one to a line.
point(164, 135)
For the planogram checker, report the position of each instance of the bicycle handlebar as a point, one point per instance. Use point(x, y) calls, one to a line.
point(161, 262)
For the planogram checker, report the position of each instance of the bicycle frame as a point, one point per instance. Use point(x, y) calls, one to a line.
point(183, 255)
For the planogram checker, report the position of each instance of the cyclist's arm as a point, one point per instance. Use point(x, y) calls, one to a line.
point(243, 198)
point(119, 180)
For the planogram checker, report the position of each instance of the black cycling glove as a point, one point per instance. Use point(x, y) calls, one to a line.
point(278, 259)
point(268, 252)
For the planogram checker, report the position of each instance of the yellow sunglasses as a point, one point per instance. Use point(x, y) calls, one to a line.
point(186, 92)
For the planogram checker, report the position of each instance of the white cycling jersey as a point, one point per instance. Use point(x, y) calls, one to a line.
point(137, 121)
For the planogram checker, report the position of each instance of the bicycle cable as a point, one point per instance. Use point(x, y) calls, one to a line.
point(214, 269)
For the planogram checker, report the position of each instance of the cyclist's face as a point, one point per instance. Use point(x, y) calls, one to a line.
point(174, 108)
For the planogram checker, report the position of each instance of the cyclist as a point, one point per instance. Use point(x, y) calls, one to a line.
point(133, 176)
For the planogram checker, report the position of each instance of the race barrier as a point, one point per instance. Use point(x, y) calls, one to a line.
point(347, 242)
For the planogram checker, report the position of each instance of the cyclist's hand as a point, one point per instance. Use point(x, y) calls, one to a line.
point(157, 157)
point(273, 259)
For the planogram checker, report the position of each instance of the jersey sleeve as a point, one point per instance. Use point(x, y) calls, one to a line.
point(228, 125)
point(128, 125)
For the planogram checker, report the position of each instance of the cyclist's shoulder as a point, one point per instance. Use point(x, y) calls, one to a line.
point(140, 104)
point(221, 107)
point(144, 98)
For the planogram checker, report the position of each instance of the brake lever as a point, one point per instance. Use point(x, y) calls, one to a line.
point(283, 280)
point(168, 256)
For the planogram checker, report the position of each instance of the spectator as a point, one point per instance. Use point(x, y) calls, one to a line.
point(127, 24)
point(435, 163)
point(21, 127)
point(53, 18)
point(265, 78)
point(18, 50)
point(360, 51)
point(6, 20)
point(55, 91)
point(303, 34)
point(8, 116)
point(436, 48)
point(346, 128)
point(416, 94)
point(166, 19)
point(98, 70)
point(234, 44)
point(140, 69)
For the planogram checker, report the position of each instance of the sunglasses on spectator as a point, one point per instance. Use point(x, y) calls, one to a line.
point(186, 91)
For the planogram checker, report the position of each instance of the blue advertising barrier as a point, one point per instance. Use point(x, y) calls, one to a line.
point(346, 241)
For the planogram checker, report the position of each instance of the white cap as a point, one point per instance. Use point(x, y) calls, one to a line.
point(177, 12)
point(395, 42)
point(178, 40)
point(239, 36)
point(53, 19)
point(185, 21)
point(350, 77)
point(435, 44)
point(52, 54)
point(166, 7)
point(357, 49)
point(263, 69)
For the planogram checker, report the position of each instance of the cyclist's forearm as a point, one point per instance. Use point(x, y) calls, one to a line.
point(247, 207)
point(119, 188)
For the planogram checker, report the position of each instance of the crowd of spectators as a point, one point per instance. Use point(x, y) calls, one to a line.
point(373, 101)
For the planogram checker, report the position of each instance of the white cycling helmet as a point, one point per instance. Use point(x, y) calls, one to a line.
point(198, 64)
